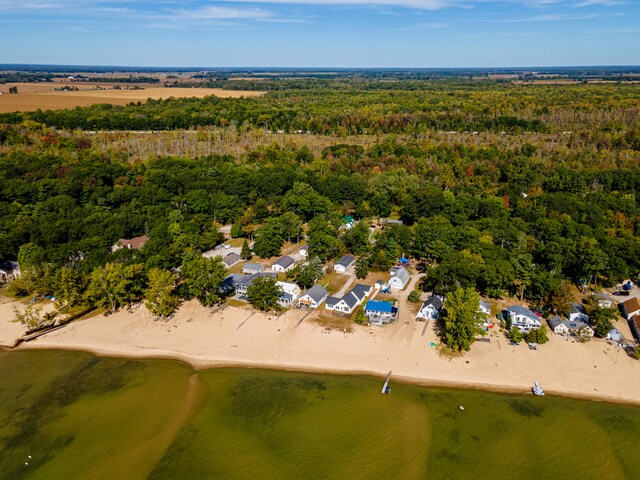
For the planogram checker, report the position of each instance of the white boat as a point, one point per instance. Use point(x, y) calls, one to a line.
point(537, 389)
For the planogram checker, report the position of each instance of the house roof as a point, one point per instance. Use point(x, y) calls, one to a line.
point(576, 326)
point(402, 274)
point(518, 310)
point(317, 292)
point(284, 262)
point(485, 304)
point(253, 266)
point(332, 300)
point(304, 247)
point(433, 301)
point(346, 261)
point(631, 305)
point(286, 296)
point(379, 306)
point(576, 308)
point(9, 266)
point(555, 321)
point(350, 299)
point(134, 243)
point(231, 259)
point(361, 290)
point(248, 280)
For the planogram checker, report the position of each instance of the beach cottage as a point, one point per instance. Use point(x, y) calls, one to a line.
point(350, 301)
point(243, 284)
point(523, 318)
point(557, 326)
point(344, 263)
point(430, 310)
point(484, 307)
point(283, 264)
point(399, 280)
point(577, 313)
point(380, 312)
point(314, 297)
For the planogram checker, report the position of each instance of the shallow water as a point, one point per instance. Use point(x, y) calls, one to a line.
point(84, 417)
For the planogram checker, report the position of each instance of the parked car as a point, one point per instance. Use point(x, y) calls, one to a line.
point(537, 312)
point(621, 293)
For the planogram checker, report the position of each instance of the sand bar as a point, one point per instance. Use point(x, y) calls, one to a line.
point(241, 337)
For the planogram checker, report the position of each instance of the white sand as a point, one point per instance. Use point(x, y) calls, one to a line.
point(241, 337)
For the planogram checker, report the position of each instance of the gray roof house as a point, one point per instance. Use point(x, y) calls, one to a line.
point(230, 281)
point(231, 259)
point(252, 267)
point(349, 301)
point(313, 297)
point(485, 307)
point(430, 310)
point(577, 313)
point(283, 264)
point(245, 282)
point(523, 318)
point(604, 300)
point(344, 263)
point(399, 280)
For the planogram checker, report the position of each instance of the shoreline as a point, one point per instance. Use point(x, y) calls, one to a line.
point(300, 341)
point(200, 364)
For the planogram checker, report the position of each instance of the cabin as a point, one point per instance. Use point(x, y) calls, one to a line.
point(343, 264)
point(231, 259)
point(314, 297)
point(135, 243)
point(430, 310)
point(380, 312)
point(9, 271)
point(604, 300)
point(290, 288)
point(484, 307)
point(523, 318)
point(283, 264)
point(304, 250)
point(557, 326)
point(577, 313)
point(630, 308)
point(400, 280)
point(614, 335)
point(252, 268)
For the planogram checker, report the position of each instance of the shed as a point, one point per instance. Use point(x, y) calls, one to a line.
point(400, 279)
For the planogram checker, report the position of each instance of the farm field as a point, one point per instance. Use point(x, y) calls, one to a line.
point(35, 96)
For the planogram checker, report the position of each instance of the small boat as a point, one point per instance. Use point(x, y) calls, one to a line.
point(461, 408)
point(537, 389)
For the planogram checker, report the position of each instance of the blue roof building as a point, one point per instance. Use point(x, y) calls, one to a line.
point(380, 312)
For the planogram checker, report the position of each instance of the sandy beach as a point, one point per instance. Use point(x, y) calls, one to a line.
point(295, 341)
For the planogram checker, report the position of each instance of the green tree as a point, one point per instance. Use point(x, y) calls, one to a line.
point(269, 240)
point(30, 256)
point(414, 296)
point(362, 269)
point(159, 295)
point(560, 298)
point(203, 277)
point(356, 239)
point(115, 285)
point(537, 335)
point(30, 317)
point(601, 320)
point(290, 224)
point(246, 253)
point(461, 319)
point(263, 294)
point(67, 286)
point(361, 318)
point(515, 335)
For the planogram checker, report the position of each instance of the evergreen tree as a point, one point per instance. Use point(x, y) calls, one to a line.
point(246, 253)
point(362, 269)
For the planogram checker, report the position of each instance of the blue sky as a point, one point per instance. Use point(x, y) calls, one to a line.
point(321, 33)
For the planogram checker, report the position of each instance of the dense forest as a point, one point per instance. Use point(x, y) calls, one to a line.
point(556, 201)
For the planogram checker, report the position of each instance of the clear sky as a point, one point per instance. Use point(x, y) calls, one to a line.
point(321, 33)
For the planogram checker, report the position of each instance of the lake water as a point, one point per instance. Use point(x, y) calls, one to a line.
point(71, 415)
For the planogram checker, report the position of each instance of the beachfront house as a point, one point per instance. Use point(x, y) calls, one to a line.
point(304, 250)
point(380, 312)
point(484, 307)
point(252, 268)
point(604, 300)
point(523, 318)
point(245, 282)
point(314, 297)
point(344, 263)
point(577, 313)
point(290, 288)
point(229, 283)
point(135, 243)
point(9, 271)
point(349, 301)
point(430, 310)
point(614, 335)
point(231, 259)
point(399, 280)
point(557, 326)
point(283, 264)
point(630, 308)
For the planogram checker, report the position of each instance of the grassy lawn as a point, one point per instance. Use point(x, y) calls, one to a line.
point(335, 322)
point(232, 302)
point(373, 277)
point(333, 282)
point(235, 242)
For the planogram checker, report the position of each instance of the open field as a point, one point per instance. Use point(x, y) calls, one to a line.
point(32, 96)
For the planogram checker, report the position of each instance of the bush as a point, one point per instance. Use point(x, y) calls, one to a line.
point(414, 297)
point(537, 335)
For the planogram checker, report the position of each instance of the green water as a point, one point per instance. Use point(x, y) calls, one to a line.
point(83, 417)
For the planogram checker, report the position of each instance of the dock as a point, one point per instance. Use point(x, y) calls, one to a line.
point(386, 388)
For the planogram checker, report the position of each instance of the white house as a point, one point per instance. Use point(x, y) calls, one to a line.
point(604, 300)
point(523, 318)
point(577, 313)
point(304, 250)
point(399, 280)
point(380, 312)
point(313, 297)
point(350, 301)
point(614, 335)
point(430, 310)
point(485, 307)
point(557, 326)
point(283, 264)
point(252, 268)
point(290, 288)
point(343, 264)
